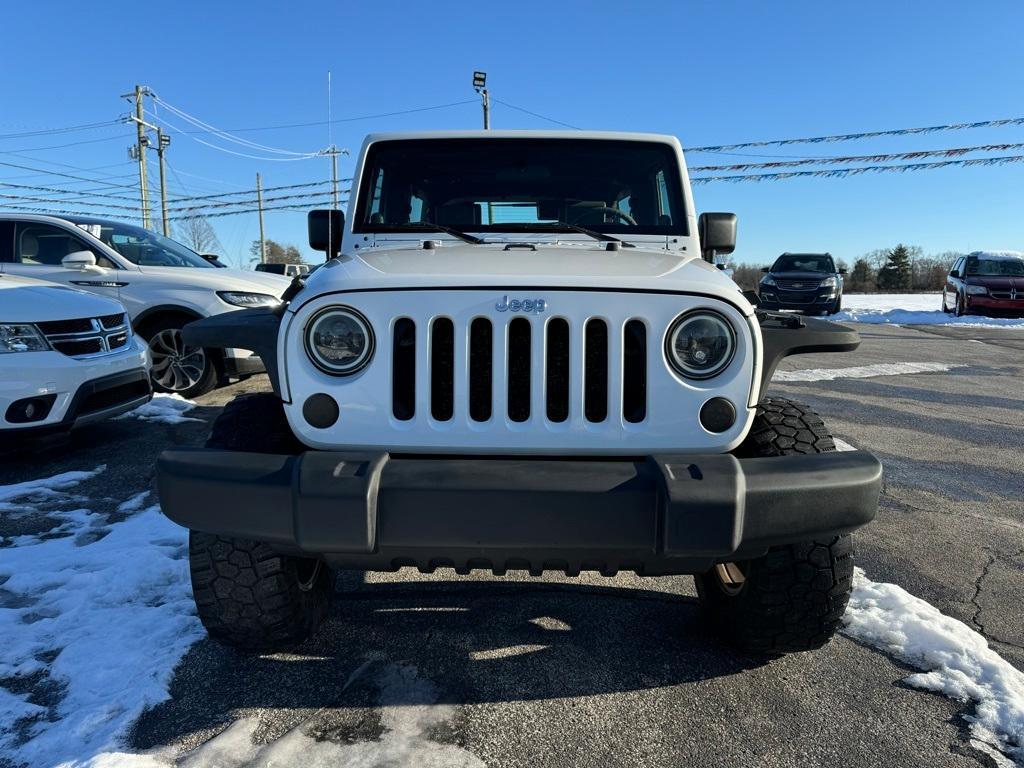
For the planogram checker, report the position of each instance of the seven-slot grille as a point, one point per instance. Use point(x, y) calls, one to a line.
point(560, 343)
point(87, 337)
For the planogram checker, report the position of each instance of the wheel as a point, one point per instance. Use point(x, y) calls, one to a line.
point(837, 307)
point(792, 598)
point(179, 367)
point(945, 308)
point(961, 309)
point(247, 595)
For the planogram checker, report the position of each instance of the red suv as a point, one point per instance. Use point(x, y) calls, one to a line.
point(986, 283)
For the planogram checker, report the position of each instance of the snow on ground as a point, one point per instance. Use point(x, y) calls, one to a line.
point(164, 408)
point(862, 371)
point(911, 309)
point(94, 621)
point(954, 659)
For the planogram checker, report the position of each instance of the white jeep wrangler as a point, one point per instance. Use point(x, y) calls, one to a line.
point(520, 360)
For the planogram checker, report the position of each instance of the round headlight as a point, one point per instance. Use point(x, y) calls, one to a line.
point(700, 344)
point(339, 341)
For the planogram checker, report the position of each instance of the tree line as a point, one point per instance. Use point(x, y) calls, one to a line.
point(900, 268)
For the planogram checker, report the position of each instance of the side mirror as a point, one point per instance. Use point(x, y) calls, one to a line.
point(326, 227)
point(752, 297)
point(717, 233)
point(842, 270)
point(766, 269)
point(80, 260)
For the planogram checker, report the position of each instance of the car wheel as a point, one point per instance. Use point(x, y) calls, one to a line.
point(180, 368)
point(247, 595)
point(961, 309)
point(837, 307)
point(793, 598)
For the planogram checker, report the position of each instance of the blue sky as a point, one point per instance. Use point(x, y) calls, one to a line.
point(708, 72)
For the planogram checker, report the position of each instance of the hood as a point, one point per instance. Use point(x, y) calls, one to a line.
point(222, 279)
point(511, 265)
point(25, 300)
point(1005, 282)
point(808, 276)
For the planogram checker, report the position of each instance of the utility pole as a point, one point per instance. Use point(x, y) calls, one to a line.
point(480, 85)
point(259, 202)
point(162, 142)
point(334, 176)
point(140, 149)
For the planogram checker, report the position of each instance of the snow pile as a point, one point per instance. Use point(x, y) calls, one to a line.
point(861, 371)
point(956, 660)
point(164, 408)
point(98, 618)
point(911, 309)
point(34, 491)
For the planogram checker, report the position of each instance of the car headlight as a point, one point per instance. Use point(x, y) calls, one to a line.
point(977, 289)
point(246, 299)
point(768, 280)
point(829, 282)
point(21, 337)
point(339, 341)
point(700, 344)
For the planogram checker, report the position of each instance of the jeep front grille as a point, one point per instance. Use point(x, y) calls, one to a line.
point(562, 342)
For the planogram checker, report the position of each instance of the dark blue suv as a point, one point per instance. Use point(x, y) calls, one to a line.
point(809, 282)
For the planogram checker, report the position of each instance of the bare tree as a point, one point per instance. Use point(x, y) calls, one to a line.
point(277, 253)
point(197, 233)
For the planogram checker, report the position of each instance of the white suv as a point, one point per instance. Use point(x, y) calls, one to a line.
point(67, 358)
point(161, 283)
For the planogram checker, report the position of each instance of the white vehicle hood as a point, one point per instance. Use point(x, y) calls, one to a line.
point(551, 265)
point(221, 279)
point(25, 300)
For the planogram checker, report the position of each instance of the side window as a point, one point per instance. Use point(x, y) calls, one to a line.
point(46, 245)
point(957, 265)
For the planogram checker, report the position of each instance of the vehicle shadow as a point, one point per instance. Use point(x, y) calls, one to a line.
point(478, 642)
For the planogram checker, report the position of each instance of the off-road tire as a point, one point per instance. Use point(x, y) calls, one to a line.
point(254, 423)
point(250, 597)
point(792, 598)
point(247, 595)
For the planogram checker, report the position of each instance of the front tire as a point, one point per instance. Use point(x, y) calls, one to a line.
point(249, 596)
point(792, 598)
point(179, 368)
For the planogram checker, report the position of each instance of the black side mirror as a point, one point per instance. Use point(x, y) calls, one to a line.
point(752, 297)
point(717, 232)
point(766, 269)
point(842, 270)
point(326, 228)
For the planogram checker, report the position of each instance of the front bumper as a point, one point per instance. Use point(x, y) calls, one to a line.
point(982, 304)
point(814, 300)
point(656, 515)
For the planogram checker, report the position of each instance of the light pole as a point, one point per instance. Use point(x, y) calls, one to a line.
point(480, 85)
point(162, 142)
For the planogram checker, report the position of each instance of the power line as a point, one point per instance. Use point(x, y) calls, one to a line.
point(838, 173)
point(956, 152)
point(59, 146)
point(66, 129)
point(867, 135)
point(66, 175)
point(537, 114)
point(55, 190)
point(255, 201)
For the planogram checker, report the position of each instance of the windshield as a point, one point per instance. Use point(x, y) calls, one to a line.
point(142, 247)
point(509, 185)
point(994, 267)
point(804, 262)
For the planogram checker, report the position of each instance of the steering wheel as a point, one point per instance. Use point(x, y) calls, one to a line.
point(606, 209)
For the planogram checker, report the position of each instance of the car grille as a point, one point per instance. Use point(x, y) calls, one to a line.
point(519, 338)
point(790, 284)
point(87, 337)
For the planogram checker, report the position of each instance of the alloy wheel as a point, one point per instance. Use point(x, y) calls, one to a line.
point(177, 366)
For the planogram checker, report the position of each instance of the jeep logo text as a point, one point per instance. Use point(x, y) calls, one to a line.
point(521, 305)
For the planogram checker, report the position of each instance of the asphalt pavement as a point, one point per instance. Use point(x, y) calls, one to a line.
point(518, 671)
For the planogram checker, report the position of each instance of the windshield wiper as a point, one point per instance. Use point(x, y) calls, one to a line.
point(561, 226)
point(431, 227)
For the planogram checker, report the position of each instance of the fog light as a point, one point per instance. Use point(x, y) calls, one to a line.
point(30, 409)
point(717, 415)
point(320, 411)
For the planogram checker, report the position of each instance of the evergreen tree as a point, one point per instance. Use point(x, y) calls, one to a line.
point(897, 273)
point(862, 277)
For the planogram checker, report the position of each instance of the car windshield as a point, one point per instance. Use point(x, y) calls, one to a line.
point(516, 185)
point(994, 267)
point(801, 262)
point(142, 247)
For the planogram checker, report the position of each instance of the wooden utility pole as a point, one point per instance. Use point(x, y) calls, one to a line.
point(259, 203)
point(334, 176)
point(140, 152)
point(162, 142)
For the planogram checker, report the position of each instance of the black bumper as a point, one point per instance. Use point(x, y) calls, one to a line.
point(659, 515)
point(817, 300)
